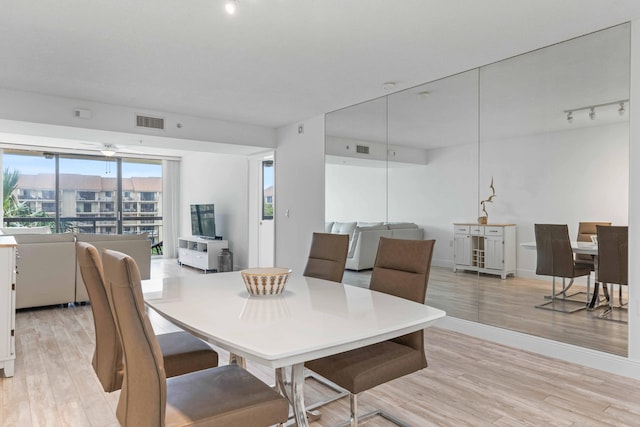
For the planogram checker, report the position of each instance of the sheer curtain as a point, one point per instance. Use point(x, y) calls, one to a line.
point(170, 207)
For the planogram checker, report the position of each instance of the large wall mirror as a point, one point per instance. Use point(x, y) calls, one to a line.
point(550, 128)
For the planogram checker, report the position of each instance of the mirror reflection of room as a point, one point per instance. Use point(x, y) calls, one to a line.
point(549, 130)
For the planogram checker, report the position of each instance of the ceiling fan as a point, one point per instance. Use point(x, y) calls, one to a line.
point(110, 150)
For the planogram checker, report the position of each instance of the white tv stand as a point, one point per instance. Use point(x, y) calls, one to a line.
point(200, 253)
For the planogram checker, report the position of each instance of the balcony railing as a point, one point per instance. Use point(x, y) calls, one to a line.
point(94, 224)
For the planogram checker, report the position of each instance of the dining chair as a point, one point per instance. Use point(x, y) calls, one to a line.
point(555, 259)
point(181, 351)
point(401, 269)
point(327, 256)
point(585, 231)
point(613, 263)
point(327, 259)
point(222, 396)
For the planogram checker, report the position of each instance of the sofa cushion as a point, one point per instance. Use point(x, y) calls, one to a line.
point(328, 226)
point(343, 228)
point(369, 224)
point(396, 225)
point(356, 235)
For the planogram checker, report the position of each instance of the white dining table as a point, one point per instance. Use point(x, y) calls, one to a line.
point(312, 318)
point(587, 248)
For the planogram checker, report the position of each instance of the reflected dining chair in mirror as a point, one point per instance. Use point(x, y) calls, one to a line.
point(613, 264)
point(555, 259)
point(327, 256)
point(586, 230)
point(402, 269)
point(222, 396)
point(181, 351)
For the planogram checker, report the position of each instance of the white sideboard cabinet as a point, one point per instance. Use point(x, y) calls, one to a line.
point(7, 304)
point(200, 253)
point(487, 248)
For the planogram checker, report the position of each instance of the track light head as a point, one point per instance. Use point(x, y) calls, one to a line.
point(592, 113)
point(621, 109)
point(570, 116)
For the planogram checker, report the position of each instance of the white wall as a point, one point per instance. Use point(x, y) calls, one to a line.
point(356, 193)
point(299, 187)
point(221, 179)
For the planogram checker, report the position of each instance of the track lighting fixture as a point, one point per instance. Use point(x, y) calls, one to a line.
point(570, 114)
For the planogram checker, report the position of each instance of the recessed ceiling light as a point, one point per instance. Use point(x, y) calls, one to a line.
point(231, 6)
point(423, 95)
point(388, 85)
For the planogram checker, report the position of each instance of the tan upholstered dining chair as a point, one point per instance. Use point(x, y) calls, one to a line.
point(223, 396)
point(613, 262)
point(402, 269)
point(327, 256)
point(585, 231)
point(181, 351)
point(555, 258)
point(327, 259)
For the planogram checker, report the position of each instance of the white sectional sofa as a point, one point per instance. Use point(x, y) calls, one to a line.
point(47, 269)
point(364, 237)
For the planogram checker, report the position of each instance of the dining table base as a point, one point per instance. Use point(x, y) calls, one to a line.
point(290, 383)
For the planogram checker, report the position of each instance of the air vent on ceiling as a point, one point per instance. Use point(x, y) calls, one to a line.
point(149, 122)
point(362, 149)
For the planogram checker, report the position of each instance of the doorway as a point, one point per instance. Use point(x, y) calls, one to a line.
point(261, 210)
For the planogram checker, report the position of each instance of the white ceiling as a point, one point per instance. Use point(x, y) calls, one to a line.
point(276, 61)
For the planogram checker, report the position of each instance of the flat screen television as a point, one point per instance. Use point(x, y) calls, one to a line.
point(203, 221)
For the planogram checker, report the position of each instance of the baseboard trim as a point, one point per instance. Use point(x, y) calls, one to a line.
point(570, 353)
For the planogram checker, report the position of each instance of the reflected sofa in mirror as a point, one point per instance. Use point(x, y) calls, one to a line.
point(508, 122)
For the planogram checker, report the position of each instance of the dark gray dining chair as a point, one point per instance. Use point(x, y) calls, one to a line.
point(613, 263)
point(223, 396)
point(401, 269)
point(555, 259)
point(181, 351)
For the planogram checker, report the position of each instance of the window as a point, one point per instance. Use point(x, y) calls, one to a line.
point(267, 189)
point(81, 193)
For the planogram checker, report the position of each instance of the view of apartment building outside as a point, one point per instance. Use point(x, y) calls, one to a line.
point(87, 202)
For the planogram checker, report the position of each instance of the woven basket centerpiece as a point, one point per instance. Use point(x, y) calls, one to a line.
point(265, 281)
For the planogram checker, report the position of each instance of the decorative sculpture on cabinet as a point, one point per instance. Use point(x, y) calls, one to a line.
point(483, 219)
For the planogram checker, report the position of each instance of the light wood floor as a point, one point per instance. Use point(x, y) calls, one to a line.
point(468, 382)
point(510, 304)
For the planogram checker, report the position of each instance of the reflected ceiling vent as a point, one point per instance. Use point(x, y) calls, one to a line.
point(362, 149)
point(149, 122)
